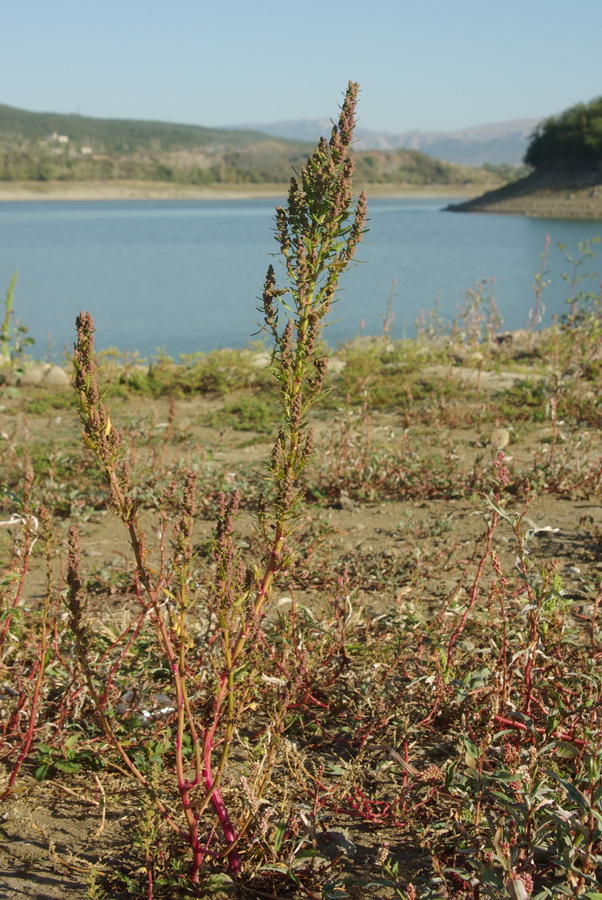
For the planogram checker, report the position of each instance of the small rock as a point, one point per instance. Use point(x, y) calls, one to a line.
point(345, 502)
point(336, 366)
point(336, 843)
point(220, 887)
point(34, 373)
point(499, 438)
point(56, 377)
point(261, 360)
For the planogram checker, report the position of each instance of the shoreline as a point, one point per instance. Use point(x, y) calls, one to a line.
point(17, 191)
point(561, 205)
point(260, 355)
point(539, 197)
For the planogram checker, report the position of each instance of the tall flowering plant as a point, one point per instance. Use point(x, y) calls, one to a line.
point(318, 232)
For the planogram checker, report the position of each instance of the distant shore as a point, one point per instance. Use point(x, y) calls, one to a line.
point(11, 191)
point(518, 199)
point(552, 197)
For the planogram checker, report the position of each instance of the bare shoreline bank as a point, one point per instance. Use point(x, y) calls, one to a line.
point(546, 197)
point(145, 190)
point(565, 205)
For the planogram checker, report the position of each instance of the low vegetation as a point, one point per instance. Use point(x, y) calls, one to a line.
point(331, 634)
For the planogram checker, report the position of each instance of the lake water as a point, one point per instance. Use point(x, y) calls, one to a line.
point(183, 276)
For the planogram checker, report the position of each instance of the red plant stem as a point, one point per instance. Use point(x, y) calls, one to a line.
point(24, 570)
point(474, 591)
point(520, 726)
point(232, 854)
point(213, 793)
point(35, 703)
point(149, 877)
point(184, 786)
point(594, 618)
point(117, 664)
point(431, 715)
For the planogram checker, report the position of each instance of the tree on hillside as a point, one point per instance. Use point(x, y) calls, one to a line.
point(571, 141)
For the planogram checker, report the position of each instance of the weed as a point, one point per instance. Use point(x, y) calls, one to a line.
point(219, 372)
point(537, 313)
point(478, 320)
point(317, 238)
point(48, 761)
point(582, 304)
point(13, 334)
point(248, 414)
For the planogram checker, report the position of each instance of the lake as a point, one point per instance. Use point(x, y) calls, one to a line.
point(183, 276)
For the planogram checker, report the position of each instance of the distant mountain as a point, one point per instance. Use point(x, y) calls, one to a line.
point(501, 143)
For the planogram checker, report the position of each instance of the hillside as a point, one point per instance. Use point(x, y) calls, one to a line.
point(20, 127)
point(49, 147)
point(565, 154)
point(413, 167)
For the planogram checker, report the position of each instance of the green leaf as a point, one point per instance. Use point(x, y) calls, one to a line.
point(44, 748)
point(575, 795)
point(499, 510)
point(566, 751)
point(280, 829)
point(67, 765)
point(308, 853)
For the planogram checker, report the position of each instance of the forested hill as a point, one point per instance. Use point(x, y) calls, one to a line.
point(20, 127)
point(570, 142)
point(565, 155)
point(52, 146)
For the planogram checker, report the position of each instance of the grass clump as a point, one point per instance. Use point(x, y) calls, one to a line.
point(249, 413)
point(218, 372)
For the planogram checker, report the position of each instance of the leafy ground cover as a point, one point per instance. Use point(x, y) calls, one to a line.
point(426, 684)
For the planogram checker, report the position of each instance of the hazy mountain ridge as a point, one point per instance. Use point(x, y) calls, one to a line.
point(497, 143)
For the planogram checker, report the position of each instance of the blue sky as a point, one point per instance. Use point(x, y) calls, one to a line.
point(427, 64)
